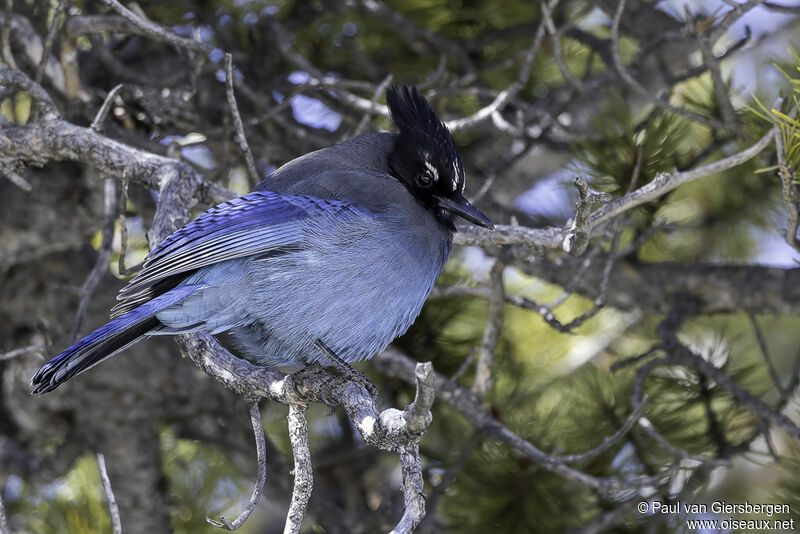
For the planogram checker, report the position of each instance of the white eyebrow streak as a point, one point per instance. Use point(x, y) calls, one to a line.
point(455, 178)
point(432, 169)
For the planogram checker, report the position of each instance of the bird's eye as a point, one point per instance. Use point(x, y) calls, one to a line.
point(424, 180)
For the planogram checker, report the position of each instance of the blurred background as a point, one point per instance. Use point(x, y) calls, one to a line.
point(703, 276)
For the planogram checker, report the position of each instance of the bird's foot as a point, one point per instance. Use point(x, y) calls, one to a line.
point(345, 370)
point(316, 374)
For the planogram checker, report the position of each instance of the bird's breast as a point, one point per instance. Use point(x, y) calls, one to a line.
point(357, 284)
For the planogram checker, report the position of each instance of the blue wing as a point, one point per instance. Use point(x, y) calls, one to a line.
point(253, 224)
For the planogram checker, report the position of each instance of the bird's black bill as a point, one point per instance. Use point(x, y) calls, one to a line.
point(460, 206)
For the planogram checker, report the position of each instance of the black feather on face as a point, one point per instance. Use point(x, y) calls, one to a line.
point(425, 157)
point(426, 160)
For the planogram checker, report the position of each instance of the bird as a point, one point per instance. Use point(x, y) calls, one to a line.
point(333, 255)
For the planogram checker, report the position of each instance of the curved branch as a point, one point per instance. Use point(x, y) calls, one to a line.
point(261, 452)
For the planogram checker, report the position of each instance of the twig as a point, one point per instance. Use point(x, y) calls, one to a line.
point(52, 31)
point(626, 77)
point(157, 32)
point(737, 11)
point(557, 52)
point(585, 264)
point(681, 354)
point(303, 473)
point(470, 406)
point(123, 230)
point(411, 32)
point(14, 353)
point(762, 346)
point(284, 41)
point(113, 510)
point(549, 238)
point(576, 238)
point(5, 37)
point(647, 426)
point(18, 79)
point(788, 191)
point(485, 292)
point(665, 182)
point(103, 256)
point(52, 138)
point(491, 334)
point(18, 180)
point(500, 100)
point(467, 361)
point(368, 114)
point(3, 522)
point(790, 10)
point(720, 89)
point(241, 139)
point(487, 184)
point(102, 113)
point(600, 299)
point(609, 441)
point(261, 452)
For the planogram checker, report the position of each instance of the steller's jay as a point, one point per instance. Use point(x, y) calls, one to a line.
point(336, 251)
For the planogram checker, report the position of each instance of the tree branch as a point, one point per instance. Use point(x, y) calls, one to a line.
point(113, 510)
point(255, 496)
point(303, 472)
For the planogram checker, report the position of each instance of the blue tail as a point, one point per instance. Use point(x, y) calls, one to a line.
point(106, 341)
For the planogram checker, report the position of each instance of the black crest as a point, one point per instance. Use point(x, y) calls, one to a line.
point(423, 141)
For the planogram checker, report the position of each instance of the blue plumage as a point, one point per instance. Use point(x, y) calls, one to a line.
point(341, 246)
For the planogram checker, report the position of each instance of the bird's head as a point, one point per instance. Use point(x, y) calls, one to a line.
point(426, 160)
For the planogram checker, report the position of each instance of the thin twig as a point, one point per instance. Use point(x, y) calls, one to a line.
point(491, 334)
point(157, 32)
point(241, 139)
point(52, 31)
point(303, 473)
point(46, 108)
point(585, 264)
point(486, 292)
point(18, 181)
point(516, 86)
point(5, 36)
point(557, 52)
point(608, 441)
point(468, 404)
point(103, 256)
point(14, 353)
point(720, 89)
point(600, 300)
point(3, 522)
point(682, 355)
point(261, 452)
point(123, 230)
point(113, 509)
point(762, 346)
point(639, 88)
point(379, 90)
point(665, 182)
point(102, 113)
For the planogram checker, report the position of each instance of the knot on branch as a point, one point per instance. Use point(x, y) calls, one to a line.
point(577, 236)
